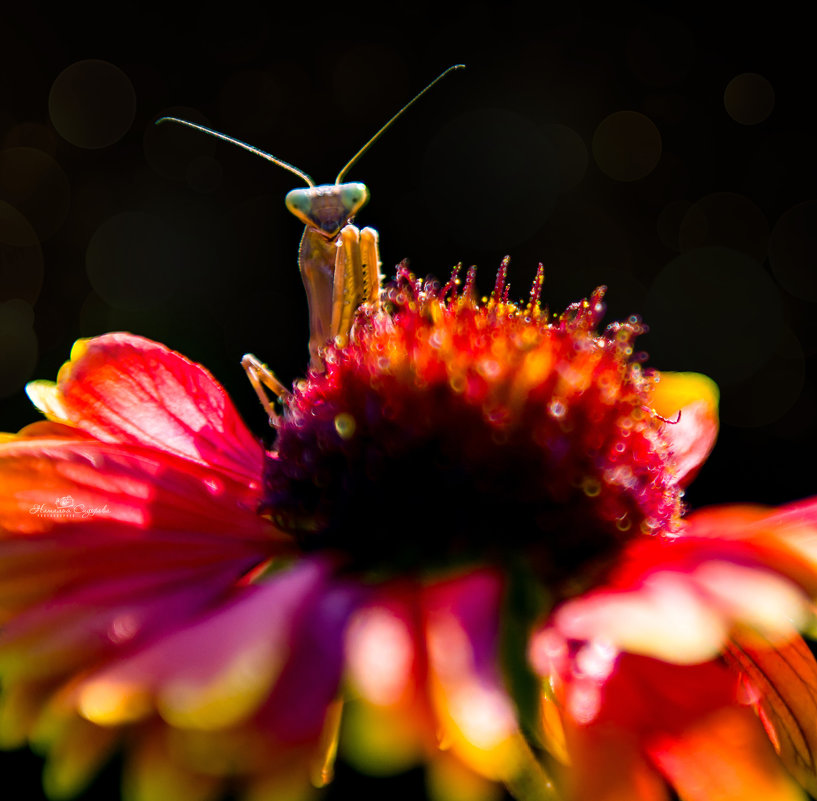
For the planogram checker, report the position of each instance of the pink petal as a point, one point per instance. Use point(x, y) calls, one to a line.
point(216, 670)
point(80, 626)
point(465, 608)
point(686, 616)
point(665, 618)
point(381, 651)
point(296, 710)
point(462, 627)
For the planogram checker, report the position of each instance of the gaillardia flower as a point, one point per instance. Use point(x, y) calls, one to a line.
point(467, 546)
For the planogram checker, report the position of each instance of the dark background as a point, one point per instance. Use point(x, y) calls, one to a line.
point(697, 206)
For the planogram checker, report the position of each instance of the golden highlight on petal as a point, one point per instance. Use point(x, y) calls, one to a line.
point(108, 703)
point(45, 396)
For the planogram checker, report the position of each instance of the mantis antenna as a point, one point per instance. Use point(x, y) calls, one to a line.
point(280, 162)
point(290, 167)
point(377, 136)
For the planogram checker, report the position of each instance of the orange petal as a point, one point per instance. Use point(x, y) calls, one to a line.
point(608, 765)
point(724, 757)
point(693, 434)
point(784, 680)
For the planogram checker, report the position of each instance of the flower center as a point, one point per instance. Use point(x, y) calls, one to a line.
point(448, 431)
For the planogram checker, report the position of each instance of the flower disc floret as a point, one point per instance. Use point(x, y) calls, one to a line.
point(446, 430)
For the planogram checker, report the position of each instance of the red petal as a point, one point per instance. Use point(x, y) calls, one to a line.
point(100, 542)
point(49, 482)
point(647, 696)
point(783, 539)
point(123, 388)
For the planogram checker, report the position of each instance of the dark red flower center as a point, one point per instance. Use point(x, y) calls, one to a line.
point(448, 431)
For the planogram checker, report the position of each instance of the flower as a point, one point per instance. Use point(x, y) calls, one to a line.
point(468, 546)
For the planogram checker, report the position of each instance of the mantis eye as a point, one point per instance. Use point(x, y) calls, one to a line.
point(353, 197)
point(298, 202)
point(327, 208)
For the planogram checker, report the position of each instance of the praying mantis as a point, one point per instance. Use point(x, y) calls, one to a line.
point(339, 263)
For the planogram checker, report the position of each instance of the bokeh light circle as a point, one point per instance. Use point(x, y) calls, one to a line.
point(725, 219)
point(793, 251)
point(135, 261)
point(714, 310)
point(36, 186)
point(21, 257)
point(92, 104)
point(627, 145)
point(748, 98)
point(18, 345)
point(491, 177)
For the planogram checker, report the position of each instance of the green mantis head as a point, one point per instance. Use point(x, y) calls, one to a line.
point(327, 208)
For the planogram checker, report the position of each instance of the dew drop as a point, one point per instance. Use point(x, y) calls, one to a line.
point(214, 485)
point(557, 409)
point(591, 487)
point(623, 523)
point(345, 425)
point(457, 383)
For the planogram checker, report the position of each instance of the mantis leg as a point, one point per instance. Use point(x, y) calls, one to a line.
point(348, 289)
point(370, 266)
point(357, 276)
point(261, 376)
